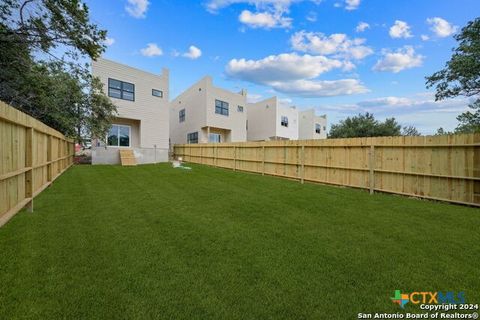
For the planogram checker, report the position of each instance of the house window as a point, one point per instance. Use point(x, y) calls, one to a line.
point(157, 93)
point(121, 90)
point(284, 121)
point(192, 137)
point(214, 137)
point(324, 128)
point(119, 136)
point(318, 128)
point(240, 109)
point(221, 107)
point(181, 115)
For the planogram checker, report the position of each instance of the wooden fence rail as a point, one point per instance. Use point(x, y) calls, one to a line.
point(443, 168)
point(32, 155)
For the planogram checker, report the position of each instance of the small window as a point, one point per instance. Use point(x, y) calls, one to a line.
point(324, 128)
point(192, 137)
point(284, 121)
point(221, 107)
point(215, 137)
point(121, 90)
point(119, 136)
point(157, 93)
point(239, 108)
point(181, 115)
point(318, 128)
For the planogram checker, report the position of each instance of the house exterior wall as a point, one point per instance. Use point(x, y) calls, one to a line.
point(264, 121)
point(262, 117)
point(151, 113)
point(235, 121)
point(194, 101)
point(290, 132)
point(199, 104)
point(307, 121)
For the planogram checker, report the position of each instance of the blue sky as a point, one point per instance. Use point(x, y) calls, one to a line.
point(341, 57)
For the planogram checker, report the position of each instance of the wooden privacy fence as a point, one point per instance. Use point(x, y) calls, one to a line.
point(32, 155)
point(434, 167)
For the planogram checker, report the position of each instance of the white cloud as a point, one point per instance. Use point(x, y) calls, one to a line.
point(352, 4)
point(283, 67)
point(294, 74)
point(265, 20)
point(269, 13)
point(279, 5)
point(386, 101)
point(420, 110)
point(338, 43)
point(108, 41)
point(193, 53)
point(312, 16)
point(137, 8)
point(362, 26)
point(253, 97)
point(424, 37)
point(151, 50)
point(400, 29)
point(401, 59)
point(441, 27)
point(320, 88)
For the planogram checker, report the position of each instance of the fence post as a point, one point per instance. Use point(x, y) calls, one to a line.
point(215, 156)
point(263, 160)
point(29, 164)
point(371, 165)
point(303, 164)
point(49, 159)
point(234, 158)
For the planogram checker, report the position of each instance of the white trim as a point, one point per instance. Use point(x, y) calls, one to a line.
point(129, 137)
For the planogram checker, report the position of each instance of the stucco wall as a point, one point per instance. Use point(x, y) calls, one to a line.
point(290, 132)
point(264, 121)
point(307, 121)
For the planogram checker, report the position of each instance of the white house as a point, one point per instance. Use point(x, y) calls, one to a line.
point(311, 126)
point(142, 124)
point(269, 120)
point(205, 113)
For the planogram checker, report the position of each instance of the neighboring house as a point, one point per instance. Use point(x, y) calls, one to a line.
point(204, 113)
point(268, 120)
point(142, 123)
point(311, 126)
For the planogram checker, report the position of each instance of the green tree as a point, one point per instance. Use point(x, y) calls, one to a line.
point(461, 76)
point(59, 91)
point(442, 132)
point(364, 125)
point(410, 131)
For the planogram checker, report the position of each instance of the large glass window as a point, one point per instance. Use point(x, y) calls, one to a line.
point(119, 136)
point(121, 90)
point(318, 128)
point(215, 137)
point(221, 107)
point(284, 121)
point(192, 137)
point(181, 115)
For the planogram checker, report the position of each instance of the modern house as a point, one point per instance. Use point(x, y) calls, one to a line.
point(205, 113)
point(269, 120)
point(142, 123)
point(311, 126)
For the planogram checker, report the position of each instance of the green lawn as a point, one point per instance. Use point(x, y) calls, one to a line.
point(151, 241)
